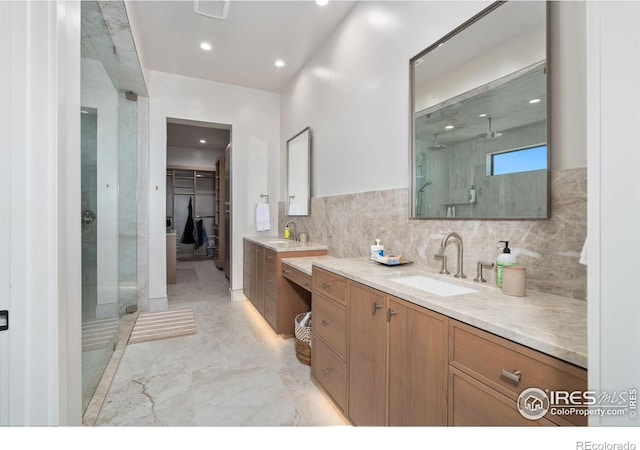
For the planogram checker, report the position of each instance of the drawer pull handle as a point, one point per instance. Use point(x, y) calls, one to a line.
point(376, 307)
point(326, 285)
point(390, 313)
point(306, 283)
point(326, 372)
point(513, 376)
point(286, 271)
point(269, 257)
point(326, 322)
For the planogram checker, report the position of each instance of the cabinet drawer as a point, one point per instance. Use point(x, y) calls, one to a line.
point(474, 404)
point(331, 372)
point(270, 257)
point(270, 280)
point(330, 322)
point(496, 361)
point(331, 285)
point(271, 310)
point(301, 279)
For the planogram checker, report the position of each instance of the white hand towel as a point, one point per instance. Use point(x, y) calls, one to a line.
point(263, 221)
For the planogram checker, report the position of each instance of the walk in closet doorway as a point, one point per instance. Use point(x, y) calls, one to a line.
point(197, 193)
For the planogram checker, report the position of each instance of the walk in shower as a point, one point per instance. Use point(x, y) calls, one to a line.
point(109, 188)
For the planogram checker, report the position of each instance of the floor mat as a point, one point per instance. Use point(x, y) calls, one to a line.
point(163, 325)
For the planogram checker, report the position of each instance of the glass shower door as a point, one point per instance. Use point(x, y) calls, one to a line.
point(109, 200)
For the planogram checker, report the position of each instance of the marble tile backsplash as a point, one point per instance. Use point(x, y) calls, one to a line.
point(548, 249)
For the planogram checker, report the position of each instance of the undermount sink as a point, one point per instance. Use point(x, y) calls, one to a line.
point(432, 286)
point(277, 242)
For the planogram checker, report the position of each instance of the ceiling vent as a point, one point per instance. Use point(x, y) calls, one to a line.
point(217, 9)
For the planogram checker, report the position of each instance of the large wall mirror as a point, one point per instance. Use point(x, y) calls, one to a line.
point(299, 174)
point(479, 109)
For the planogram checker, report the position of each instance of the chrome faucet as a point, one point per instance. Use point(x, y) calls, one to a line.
point(293, 233)
point(443, 246)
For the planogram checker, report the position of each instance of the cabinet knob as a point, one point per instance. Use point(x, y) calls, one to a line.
point(326, 285)
point(326, 322)
point(326, 372)
point(306, 283)
point(376, 307)
point(513, 376)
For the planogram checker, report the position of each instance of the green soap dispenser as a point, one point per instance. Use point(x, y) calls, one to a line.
point(504, 259)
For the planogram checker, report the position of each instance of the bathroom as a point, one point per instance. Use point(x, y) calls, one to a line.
point(356, 100)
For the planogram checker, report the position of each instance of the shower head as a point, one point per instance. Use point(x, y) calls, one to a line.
point(491, 134)
point(436, 146)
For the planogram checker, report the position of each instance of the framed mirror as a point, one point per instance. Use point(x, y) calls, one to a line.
point(298, 202)
point(480, 118)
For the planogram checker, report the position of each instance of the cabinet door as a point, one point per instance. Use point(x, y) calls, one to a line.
point(417, 366)
point(474, 404)
point(367, 351)
point(257, 293)
point(247, 266)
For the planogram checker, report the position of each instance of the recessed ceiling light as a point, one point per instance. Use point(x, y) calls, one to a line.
point(534, 100)
point(202, 141)
point(205, 46)
point(279, 63)
point(322, 2)
point(482, 115)
point(449, 127)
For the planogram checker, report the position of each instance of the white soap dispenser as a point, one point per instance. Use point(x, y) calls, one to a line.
point(504, 259)
point(377, 250)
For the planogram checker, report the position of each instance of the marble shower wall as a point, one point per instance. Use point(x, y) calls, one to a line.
point(548, 249)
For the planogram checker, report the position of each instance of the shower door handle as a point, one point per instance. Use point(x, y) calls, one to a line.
point(88, 216)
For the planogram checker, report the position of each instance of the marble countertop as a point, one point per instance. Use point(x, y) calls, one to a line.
point(548, 323)
point(279, 244)
point(305, 263)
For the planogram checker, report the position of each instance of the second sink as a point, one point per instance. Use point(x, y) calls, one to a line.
point(432, 286)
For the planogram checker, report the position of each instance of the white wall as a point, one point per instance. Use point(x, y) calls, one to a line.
point(255, 119)
point(354, 93)
point(614, 199)
point(40, 279)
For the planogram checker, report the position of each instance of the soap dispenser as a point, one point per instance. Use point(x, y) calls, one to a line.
point(287, 232)
point(377, 250)
point(504, 259)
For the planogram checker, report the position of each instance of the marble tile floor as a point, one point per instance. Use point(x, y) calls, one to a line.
point(233, 372)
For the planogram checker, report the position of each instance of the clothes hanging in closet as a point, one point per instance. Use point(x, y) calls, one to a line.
point(189, 228)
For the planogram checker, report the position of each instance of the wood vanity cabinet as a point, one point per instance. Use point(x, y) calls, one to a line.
point(487, 373)
point(252, 274)
point(329, 340)
point(278, 301)
point(299, 278)
point(386, 361)
point(367, 356)
point(417, 364)
point(393, 354)
point(397, 361)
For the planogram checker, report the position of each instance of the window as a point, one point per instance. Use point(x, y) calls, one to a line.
point(516, 161)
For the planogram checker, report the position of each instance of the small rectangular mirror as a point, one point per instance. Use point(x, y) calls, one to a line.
point(298, 202)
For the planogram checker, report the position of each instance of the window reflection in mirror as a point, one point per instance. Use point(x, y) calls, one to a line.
point(479, 98)
point(298, 174)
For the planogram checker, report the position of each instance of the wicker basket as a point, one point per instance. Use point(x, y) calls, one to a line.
point(303, 339)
